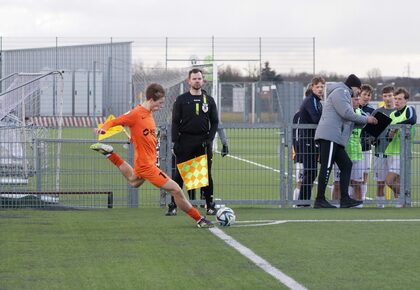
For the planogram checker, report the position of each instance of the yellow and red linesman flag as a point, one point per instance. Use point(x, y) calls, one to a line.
point(111, 131)
point(194, 172)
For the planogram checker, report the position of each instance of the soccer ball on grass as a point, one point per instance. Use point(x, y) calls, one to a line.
point(225, 216)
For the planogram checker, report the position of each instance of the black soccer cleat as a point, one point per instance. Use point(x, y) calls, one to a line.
point(349, 202)
point(204, 223)
point(211, 210)
point(171, 210)
point(322, 203)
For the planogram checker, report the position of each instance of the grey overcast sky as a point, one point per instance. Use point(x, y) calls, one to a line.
point(351, 36)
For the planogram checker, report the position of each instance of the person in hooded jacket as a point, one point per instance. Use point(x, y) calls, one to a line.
point(334, 129)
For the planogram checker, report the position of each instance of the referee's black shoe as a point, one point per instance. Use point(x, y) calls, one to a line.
point(171, 209)
point(349, 202)
point(322, 203)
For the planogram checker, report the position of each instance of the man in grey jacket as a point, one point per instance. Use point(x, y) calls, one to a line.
point(333, 131)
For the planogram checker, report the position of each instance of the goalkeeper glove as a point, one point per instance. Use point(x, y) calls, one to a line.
point(225, 151)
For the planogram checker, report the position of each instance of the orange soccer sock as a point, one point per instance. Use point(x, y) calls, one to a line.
point(194, 213)
point(116, 159)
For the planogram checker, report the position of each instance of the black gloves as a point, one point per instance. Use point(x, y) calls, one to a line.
point(225, 151)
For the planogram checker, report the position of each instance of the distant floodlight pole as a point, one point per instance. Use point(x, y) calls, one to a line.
point(313, 56)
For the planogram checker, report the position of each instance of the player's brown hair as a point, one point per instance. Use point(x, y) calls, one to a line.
point(318, 79)
point(366, 87)
point(402, 91)
point(154, 92)
point(388, 89)
point(315, 80)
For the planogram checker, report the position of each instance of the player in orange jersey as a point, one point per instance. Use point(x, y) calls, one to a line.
point(143, 136)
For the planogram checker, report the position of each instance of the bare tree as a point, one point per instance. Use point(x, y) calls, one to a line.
point(374, 76)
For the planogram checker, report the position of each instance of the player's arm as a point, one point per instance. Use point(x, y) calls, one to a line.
point(411, 120)
point(128, 119)
point(223, 139)
point(214, 120)
point(176, 120)
point(411, 116)
point(343, 107)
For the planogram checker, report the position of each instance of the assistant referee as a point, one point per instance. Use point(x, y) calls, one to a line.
point(194, 126)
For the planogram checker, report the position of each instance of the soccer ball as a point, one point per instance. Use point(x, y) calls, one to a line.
point(225, 216)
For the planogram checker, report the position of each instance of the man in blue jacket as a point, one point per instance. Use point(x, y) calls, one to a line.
point(310, 113)
point(333, 131)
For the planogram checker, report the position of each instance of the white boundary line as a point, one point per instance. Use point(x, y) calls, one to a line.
point(262, 166)
point(265, 265)
point(257, 260)
point(252, 162)
point(257, 223)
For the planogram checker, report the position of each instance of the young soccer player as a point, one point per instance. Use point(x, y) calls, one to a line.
point(143, 136)
point(380, 160)
point(403, 114)
point(310, 112)
point(364, 99)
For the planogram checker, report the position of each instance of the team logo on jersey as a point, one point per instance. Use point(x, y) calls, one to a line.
point(151, 131)
point(205, 107)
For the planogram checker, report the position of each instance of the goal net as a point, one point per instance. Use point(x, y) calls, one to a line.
point(21, 153)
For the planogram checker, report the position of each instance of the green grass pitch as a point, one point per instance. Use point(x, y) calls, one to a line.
point(143, 249)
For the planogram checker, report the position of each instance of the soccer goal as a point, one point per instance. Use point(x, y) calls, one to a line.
point(21, 155)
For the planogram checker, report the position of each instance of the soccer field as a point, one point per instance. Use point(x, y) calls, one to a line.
point(143, 249)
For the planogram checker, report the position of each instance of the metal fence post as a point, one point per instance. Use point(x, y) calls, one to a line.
point(282, 167)
point(403, 154)
point(405, 174)
point(132, 192)
point(165, 160)
point(289, 140)
point(409, 165)
point(38, 173)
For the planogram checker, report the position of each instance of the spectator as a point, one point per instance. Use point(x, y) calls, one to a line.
point(333, 131)
point(380, 165)
point(367, 109)
point(310, 113)
point(402, 115)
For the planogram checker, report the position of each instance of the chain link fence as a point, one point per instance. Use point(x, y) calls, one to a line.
point(103, 76)
point(259, 171)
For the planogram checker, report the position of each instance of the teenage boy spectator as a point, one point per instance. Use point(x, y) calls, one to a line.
point(364, 99)
point(403, 114)
point(310, 113)
point(380, 165)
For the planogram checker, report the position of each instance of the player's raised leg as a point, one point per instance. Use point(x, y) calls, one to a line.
point(123, 166)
